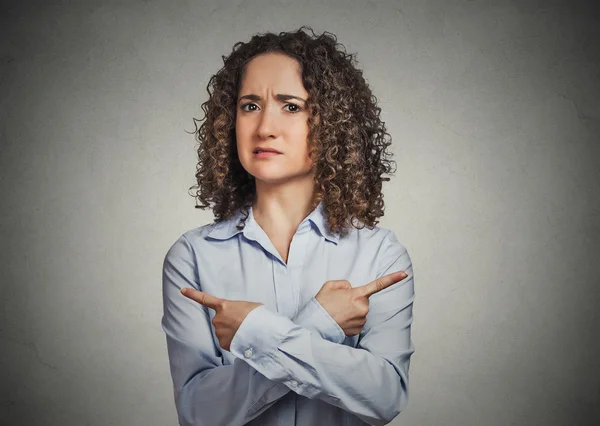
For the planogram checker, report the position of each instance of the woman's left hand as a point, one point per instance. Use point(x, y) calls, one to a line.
point(230, 313)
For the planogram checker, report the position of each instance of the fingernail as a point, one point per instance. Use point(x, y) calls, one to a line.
point(403, 274)
point(183, 290)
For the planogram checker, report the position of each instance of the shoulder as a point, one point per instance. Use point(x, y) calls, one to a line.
point(376, 237)
point(380, 244)
point(199, 234)
point(191, 241)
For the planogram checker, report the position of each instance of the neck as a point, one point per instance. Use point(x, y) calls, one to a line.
point(281, 208)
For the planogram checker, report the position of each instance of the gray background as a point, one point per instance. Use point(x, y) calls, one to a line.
point(495, 116)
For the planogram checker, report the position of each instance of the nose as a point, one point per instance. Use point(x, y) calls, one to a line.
point(267, 126)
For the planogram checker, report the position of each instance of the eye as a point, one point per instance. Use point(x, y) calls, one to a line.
point(295, 108)
point(243, 107)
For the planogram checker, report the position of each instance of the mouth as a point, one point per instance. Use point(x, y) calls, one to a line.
point(265, 151)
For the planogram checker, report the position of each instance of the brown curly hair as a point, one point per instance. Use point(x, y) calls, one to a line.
point(347, 140)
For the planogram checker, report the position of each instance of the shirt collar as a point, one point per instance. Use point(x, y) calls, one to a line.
point(228, 228)
point(318, 218)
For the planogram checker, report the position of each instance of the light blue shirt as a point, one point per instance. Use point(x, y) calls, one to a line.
point(290, 363)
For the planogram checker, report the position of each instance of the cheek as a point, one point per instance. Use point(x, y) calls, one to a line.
point(242, 127)
point(239, 134)
point(241, 138)
point(300, 132)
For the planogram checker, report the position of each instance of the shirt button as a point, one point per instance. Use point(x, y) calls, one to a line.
point(248, 353)
point(294, 383)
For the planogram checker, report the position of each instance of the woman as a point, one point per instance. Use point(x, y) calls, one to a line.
point(296, 308)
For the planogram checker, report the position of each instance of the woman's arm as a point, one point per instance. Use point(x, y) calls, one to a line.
point(370, 381)
point(313, 317)
point(206, 391)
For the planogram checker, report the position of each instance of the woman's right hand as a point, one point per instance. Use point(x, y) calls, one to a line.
point(348, 305)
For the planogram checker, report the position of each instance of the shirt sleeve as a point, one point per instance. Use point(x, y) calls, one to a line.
point(315, 318)
point(377, 389)
point(206, 392)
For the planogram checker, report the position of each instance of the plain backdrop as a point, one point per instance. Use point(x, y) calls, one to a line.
point(494, 111)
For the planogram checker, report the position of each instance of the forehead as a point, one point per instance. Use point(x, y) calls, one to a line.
point(274, 71)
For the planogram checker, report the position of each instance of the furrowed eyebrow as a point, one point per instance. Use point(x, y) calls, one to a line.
point(279, 97)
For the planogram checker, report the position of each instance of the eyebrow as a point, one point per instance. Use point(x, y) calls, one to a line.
point(279, 97)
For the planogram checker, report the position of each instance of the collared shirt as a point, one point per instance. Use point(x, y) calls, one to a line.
point(289, 362)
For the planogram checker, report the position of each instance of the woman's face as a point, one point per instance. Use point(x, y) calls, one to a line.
point(271, 113)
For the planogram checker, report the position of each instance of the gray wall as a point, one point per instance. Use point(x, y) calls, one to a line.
point(495, 115)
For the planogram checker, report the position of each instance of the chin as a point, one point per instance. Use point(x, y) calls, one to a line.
point(273, 178)
point(278, 176)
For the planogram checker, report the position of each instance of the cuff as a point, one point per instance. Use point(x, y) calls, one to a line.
point(314, 317)
point(258, 338)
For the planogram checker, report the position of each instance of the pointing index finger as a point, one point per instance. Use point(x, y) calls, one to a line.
point(381, 283)
point(205, 299)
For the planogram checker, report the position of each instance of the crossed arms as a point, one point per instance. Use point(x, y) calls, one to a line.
point(303, 354)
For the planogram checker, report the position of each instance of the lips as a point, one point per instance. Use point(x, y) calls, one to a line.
point(265, 149)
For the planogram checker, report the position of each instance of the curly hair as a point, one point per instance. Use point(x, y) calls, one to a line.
point(347, 141)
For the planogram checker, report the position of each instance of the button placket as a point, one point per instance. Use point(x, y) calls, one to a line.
point(296, 260)
point(283, 290)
